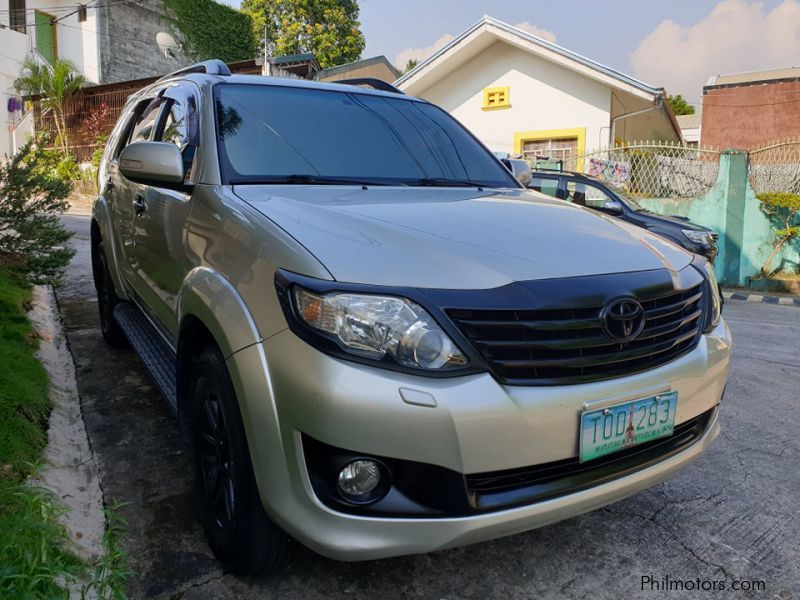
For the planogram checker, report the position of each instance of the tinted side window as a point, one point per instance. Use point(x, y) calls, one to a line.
point(545, 185)
point(179, 126)
point(586, 195)
point(145, 123)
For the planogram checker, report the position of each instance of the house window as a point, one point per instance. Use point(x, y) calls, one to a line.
point(17, 15)
point(563, 149)
point(46, 41)
point(496, 97)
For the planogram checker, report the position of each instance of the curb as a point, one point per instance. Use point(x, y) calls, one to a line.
point(70, 470)
point(782, 300)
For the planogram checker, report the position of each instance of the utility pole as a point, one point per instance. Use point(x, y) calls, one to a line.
point(267, 69)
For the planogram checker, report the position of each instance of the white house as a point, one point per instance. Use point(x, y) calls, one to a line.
point(47, 29)
point(524, 95)
point(106, 41)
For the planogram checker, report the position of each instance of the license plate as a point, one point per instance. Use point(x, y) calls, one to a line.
point(610, 429)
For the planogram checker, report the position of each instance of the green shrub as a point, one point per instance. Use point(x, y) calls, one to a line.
point(783, 210)
point(34, 186)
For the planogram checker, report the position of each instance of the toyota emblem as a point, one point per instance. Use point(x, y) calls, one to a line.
point(623, 319)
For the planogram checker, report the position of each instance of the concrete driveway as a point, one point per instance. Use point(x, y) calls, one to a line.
point(732, 516)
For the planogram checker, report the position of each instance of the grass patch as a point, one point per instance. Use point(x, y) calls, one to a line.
point(24, 403)
point(35, 560)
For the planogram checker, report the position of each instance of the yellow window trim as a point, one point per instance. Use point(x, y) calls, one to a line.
point(504, 90)
point(520, 137)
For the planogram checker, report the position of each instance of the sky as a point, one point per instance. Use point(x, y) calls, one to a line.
point(676, 45)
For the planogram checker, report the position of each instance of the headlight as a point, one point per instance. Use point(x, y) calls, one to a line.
point(715, 301)
point(706, 238)
point(376, 326)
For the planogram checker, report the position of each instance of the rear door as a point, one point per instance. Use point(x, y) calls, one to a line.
point(159, 235)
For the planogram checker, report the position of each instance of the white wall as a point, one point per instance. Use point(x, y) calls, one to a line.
point(543, 96)
point(75, 41)
point(13, 46)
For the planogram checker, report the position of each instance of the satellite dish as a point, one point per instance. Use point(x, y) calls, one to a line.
point(167, 44)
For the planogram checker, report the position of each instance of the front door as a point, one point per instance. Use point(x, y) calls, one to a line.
point(123, 194)
point(159, 234)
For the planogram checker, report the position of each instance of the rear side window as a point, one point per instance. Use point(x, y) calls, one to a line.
point(269, 132)
point(545, 185)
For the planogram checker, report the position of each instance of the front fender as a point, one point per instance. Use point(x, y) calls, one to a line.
point(208, 296)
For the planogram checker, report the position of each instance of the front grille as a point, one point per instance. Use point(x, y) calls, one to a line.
point(497, 489)
point(550, 347)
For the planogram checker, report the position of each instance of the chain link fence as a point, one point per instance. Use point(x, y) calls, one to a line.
point(653, 169)
point(776, 167)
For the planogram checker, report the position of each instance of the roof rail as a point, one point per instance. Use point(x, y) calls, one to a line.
point(377, 84)
point(210, 67)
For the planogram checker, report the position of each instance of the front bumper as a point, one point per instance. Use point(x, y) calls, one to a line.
point(289, 389)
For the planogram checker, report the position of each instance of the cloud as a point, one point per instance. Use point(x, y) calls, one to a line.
point(735, 36)
point(541, 32)
point(420, 54)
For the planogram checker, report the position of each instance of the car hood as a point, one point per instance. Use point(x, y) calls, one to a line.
point(455, 238)
point(682, 222)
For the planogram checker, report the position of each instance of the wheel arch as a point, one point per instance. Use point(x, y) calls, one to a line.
point(210, 311)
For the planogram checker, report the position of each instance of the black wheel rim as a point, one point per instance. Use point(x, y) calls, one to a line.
point(216, 461)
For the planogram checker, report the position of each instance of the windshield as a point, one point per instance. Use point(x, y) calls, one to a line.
point(274, 134)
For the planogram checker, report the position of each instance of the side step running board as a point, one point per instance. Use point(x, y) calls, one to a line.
point(156, 355)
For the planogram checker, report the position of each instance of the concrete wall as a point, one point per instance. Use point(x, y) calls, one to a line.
point(127, 41)
point(750, 116)
point(543, 96)
point(746, 236)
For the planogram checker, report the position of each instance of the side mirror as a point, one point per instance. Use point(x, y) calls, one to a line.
point(613, 207)
point(159, 164)
point(519, 169)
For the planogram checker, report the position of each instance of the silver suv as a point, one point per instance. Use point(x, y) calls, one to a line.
point(375, 339)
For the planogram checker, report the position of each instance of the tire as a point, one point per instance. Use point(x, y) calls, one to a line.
point(240, 533)
point(107, 299)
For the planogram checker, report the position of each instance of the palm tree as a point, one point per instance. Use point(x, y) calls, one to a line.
point(56, 84)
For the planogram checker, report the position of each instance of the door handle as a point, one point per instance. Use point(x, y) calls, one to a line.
point(139, 207)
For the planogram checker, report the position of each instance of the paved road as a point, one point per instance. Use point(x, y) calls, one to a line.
point(732, 515)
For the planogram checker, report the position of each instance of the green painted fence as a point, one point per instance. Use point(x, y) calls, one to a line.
point(746, 236)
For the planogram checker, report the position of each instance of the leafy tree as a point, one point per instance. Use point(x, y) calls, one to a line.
point(411, 64)
point(784, 209)
point(679, 105)
point(32, 196)
point(56, 84)
point(328, 28)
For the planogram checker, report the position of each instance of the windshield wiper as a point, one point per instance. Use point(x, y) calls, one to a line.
point(444, 182)
point(304, 179)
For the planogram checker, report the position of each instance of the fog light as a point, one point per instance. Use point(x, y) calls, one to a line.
point(358, 479)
